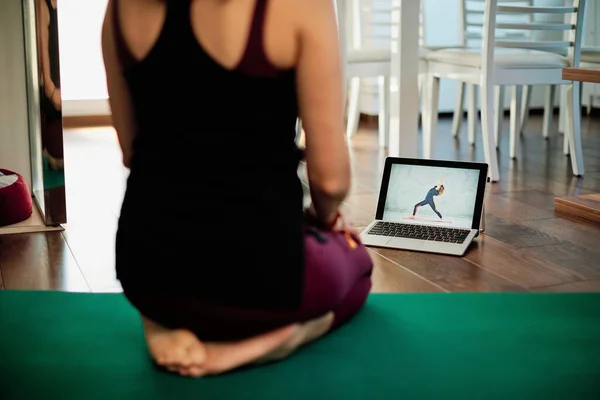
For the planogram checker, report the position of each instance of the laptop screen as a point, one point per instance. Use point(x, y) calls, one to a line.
point(438, 195)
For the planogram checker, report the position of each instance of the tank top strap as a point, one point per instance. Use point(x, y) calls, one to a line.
point(254, 60)
point(50, 6)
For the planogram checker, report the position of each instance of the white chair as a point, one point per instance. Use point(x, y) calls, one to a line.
point(371, 60)
point(471, 36)
point(366, 40)
point(514, 63)
point(368, 55)
point(359, 61)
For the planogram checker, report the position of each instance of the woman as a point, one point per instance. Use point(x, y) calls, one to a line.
point(204, 96)
point(435, 191)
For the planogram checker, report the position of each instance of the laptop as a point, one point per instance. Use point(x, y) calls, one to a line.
point(428, 205)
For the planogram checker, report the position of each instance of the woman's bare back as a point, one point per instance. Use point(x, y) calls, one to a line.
point(221, 28)
point(297, 34)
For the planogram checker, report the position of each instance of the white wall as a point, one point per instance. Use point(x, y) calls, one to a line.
point(14, 132)
point(82, 69)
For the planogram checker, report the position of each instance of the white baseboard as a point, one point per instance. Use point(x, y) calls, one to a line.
point(76, 108)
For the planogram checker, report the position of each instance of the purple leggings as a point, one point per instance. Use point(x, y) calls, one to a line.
point(337, 278)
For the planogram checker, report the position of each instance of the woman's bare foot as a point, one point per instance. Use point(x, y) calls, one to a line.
point(177, 350)
point(306, 333)
point(180, 351)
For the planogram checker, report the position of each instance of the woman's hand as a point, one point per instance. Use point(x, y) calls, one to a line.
point(342, 224)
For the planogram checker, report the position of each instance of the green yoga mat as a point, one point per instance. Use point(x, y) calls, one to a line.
point(405, 346)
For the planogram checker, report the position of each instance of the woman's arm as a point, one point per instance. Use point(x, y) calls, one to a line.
point(118, 93)
point(320, 95)
point(440, 182)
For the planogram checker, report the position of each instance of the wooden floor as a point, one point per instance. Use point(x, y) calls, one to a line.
point(525, 248)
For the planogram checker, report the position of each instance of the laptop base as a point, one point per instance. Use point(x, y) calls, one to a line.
point(428, 246)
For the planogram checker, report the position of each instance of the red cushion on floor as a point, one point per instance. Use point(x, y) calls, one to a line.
point(15, 199)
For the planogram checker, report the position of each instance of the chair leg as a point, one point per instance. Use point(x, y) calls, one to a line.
point(548, 110)
point(458, 109)
point(562, 110)
point(472, 113)
point(499, 114)
point(525, 103)
point(487, 125)
point(384, 110)
point(515, 119)
point(430, 114)
point(566, 149)
point(353, 109)
point(573, 127)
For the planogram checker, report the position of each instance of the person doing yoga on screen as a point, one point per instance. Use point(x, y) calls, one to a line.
point(435, 191)
point(205, 95)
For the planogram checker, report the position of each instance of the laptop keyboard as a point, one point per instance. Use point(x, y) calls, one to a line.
point(423, 232)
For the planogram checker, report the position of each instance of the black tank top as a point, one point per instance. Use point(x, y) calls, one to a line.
point(215, 163)
point(53, 44)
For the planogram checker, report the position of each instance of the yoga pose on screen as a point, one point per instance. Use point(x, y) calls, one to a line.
point(437, 190)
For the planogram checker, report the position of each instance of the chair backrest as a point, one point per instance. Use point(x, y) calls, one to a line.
point(472, 13)
point(370, 24)
point(567, 20)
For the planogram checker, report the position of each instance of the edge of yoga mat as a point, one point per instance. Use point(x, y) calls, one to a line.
point(493, 345)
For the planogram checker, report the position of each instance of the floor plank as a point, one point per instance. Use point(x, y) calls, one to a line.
point(389, 277)
point(453, 274)
point(93, 246)
point(516, 234)
point(513, 210)
point(581, 234)
point(533, 198)
point(582, 261)
point(575, 287)
point(518, 265)
point(40, 261)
